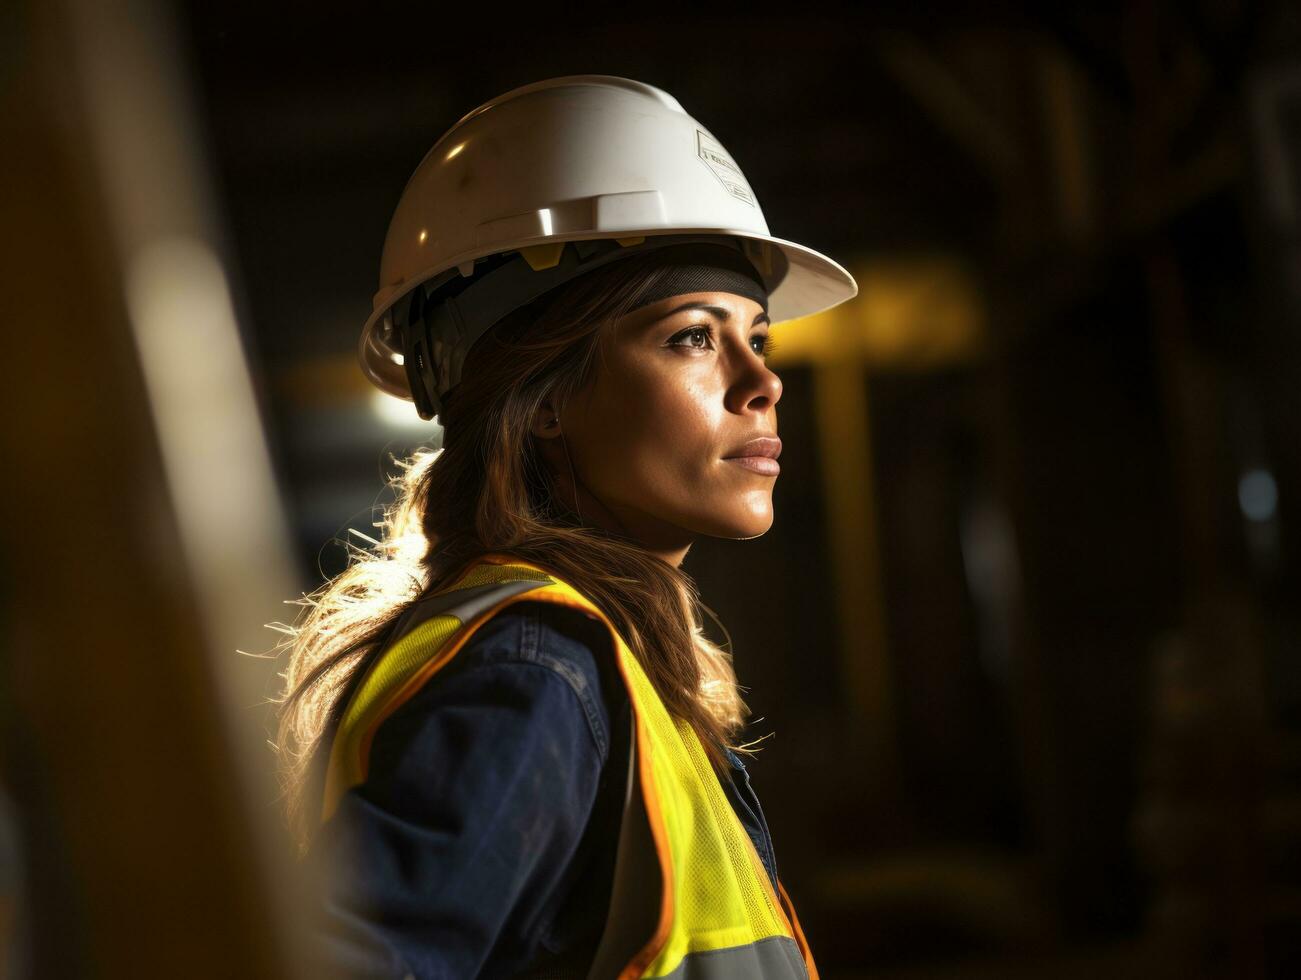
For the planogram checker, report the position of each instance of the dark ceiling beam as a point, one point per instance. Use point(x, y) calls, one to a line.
point(950, 105)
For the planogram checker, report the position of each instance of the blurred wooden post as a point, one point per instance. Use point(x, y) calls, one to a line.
point(148, 847)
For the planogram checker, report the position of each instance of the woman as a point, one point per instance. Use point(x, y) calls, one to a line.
point(506, 728)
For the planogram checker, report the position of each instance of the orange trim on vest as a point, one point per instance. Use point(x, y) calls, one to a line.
point(794, 922)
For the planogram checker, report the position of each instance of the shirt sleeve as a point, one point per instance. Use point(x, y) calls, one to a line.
point(478, 792)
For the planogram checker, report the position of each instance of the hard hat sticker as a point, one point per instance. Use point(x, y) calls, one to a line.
point(723, 167)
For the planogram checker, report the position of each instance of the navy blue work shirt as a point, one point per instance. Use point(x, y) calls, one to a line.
point(482, 843)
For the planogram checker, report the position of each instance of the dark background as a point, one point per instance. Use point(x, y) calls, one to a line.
point(1073, 564)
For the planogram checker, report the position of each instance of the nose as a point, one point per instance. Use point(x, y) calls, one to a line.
point(756, 389)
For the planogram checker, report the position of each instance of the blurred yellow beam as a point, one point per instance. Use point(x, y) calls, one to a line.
point(912, 313)
point(845, 444)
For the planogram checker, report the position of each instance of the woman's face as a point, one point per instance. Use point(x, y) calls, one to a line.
point(657, 438)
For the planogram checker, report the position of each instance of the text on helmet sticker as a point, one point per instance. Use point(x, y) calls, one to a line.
point(723, 167)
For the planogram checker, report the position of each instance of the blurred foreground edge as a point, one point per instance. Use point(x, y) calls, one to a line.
point(143, 537)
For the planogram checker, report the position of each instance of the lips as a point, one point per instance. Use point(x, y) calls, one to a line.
point(768, 446)
point(759, 455)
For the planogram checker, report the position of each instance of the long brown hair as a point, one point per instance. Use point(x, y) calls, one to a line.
point(485, 491)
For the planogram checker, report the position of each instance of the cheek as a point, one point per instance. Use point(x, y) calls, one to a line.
point(652, 432)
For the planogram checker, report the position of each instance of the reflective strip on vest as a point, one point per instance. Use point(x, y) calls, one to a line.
point(691, 898)
point(776, 956)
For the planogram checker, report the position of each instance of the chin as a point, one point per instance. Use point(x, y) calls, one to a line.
point(738, 527)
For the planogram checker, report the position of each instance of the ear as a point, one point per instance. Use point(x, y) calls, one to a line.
point(545, 424)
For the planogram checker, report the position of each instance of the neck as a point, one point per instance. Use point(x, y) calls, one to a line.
point(665, 541)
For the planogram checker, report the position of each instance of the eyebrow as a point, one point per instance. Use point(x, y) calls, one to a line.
point(719, 311)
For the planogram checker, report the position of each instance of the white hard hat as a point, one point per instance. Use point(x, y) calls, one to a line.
point(614, 164)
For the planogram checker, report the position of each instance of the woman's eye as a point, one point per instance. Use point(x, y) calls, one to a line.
point(765, 342)
point(693, 331)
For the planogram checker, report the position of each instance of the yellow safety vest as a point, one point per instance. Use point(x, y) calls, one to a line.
point(691, 898)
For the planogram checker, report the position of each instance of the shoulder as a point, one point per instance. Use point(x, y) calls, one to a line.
point(547, 658)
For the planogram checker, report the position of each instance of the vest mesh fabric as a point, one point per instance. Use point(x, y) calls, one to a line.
point(721, 894)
